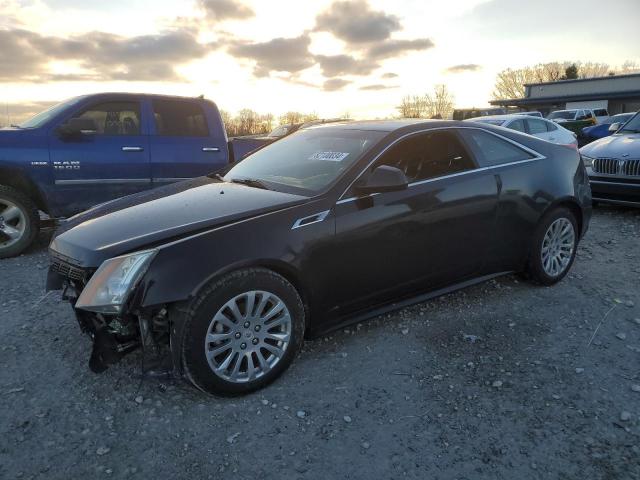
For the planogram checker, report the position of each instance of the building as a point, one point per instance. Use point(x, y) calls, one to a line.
point(616, 93)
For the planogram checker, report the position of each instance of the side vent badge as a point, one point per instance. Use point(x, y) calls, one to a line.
point(311, 219)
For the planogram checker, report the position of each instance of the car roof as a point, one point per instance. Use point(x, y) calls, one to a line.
point(505, 117)
point(390, 125)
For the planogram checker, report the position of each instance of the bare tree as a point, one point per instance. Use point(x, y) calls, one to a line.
point(510, 83)
point(440, 103)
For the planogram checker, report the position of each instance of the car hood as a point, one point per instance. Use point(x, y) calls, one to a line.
point(157, 216)
point(614, 146)
point(9, 135)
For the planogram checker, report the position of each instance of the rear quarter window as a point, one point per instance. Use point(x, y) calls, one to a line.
point(177, 118)
point(493, 150)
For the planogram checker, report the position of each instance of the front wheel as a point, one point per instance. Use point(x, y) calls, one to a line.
point(19, 222)
point(553, 249)
point(241, 332)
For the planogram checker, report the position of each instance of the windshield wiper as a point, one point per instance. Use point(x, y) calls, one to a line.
point(250, 182)
point(629, 130)
point(13, 125)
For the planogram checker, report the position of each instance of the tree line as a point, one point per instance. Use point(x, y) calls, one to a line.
point(249, 122)
point(510, 83)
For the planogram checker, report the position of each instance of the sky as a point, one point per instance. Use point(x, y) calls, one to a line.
point(331, 57)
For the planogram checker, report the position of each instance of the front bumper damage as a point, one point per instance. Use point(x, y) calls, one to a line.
point(114, 336)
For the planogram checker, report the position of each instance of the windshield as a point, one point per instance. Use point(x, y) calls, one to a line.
point(632, 126)
point(565, 114)
point(42, 117)
point(307, 161)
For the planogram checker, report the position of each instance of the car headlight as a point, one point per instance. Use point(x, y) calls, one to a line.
point(110, 287)
point(588, 161)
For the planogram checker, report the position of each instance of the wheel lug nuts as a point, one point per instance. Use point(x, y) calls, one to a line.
point(238, 335)
point(243, 346)
point(247, 324)
point(254, 341)
point(257, 329)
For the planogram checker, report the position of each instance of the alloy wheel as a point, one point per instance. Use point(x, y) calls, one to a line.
point(557, 247)
point(248, 336)
point(13, 223)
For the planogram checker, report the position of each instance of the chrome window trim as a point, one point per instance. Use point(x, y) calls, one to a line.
point(537, 156)
point(319, 217)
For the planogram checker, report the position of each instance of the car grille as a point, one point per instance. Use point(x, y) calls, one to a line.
point(614, 166)
point(67, 270)
point(631, 168)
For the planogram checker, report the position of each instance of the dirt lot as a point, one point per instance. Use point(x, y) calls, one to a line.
point(500, 381)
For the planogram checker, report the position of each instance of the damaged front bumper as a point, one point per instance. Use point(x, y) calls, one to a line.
point(113, 335)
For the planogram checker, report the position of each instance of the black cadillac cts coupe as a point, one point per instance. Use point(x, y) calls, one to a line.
point(325, 227)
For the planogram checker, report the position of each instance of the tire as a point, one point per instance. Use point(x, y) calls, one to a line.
point(18, 214)
point(564, 221)
point(210, 313)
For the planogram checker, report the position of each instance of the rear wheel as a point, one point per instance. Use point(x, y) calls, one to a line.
point(554, 247)
point(19, 222)
point(241, 332)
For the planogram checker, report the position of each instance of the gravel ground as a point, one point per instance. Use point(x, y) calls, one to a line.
point(500, 381)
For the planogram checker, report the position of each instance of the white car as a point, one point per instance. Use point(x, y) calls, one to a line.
point(572, 115)
point(538, 127)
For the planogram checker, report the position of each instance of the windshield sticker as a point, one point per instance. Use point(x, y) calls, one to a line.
point(329, 156)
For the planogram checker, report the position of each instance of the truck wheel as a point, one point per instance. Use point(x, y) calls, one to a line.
point(19, 222)
point(241, 332)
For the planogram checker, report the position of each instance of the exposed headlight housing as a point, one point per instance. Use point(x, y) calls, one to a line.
point(110, 287)
point(588, 161)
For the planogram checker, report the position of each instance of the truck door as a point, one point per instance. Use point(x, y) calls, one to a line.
point(102, 164)
point(185, 141)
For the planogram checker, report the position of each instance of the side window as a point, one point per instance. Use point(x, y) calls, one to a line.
point(536, 126)
point(551, 126)
point(517, 125)
point(429, 155)
point(114, 118)
point(176, 118)
point(492, 150)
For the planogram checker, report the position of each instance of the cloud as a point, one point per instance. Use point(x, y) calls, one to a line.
point(280, 54)
point(390, 75)
point(336, 65)
point(335, 84)
point(394, 48)
point(355, 22)
point(225, 10)
point(464, 67)
point(25, 55)
point(378, 86)
point(17, 112)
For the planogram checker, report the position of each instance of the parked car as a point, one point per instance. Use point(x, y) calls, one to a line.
point(594, 132)
point(574, 120)
point(538, 127)
point(532, 113)
point(327, 226)
point(95, 148)
point(613, 165)
point(601, 114)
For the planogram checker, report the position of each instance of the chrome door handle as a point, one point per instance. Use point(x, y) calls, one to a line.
point(210, 149)
point(132, 149)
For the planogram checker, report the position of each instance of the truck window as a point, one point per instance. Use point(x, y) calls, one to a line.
point(114, 118)
point(175, 118)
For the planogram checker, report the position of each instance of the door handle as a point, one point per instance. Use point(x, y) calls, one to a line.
point(210, 149)
point(132, 149)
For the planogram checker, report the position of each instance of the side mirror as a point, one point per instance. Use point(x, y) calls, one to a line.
point(77, 127)
point(614, 127)
point(384, 179)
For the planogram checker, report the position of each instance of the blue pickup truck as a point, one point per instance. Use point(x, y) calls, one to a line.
point(94, 148)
